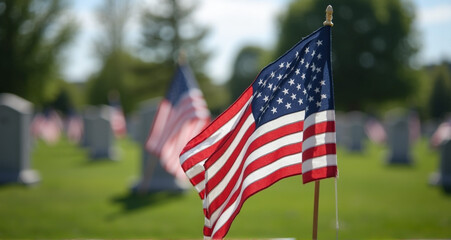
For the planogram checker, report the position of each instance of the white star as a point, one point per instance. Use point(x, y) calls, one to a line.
point(291, 82)
point(272, 74)
point(260, 82)
point(306, 109)
point(313, 53)
point(288, 65)
point(288, 105)
point(309, 86)
point(285, 91)
point(300, 101)
point(323, 96)
point(307, 65)
point(314, 77)
point(303, 76)
point(305, 91)
point(281, 65)
point(264, 83)
point(310, 99)
point(270, 86)
point(266, 98)
point(318, 70)
point(293, 96)
point(313, 67)
point(319, 56)
point(307, 50)
point(280, 100)
point(319, 42)
point(323, 82)
point(297, 54)
point(298, 86)
point(302, 61)
point(261, 109)
point(274, 110)
point(298, 71)
point(279, 77)
point(285, 76)
point(317, 90)
point(259, 94)
point(275, 88)
point(318, 104)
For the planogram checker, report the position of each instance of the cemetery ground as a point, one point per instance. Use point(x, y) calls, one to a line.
point(79, 198)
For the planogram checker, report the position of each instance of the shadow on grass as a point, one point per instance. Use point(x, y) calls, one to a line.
point(133, 201)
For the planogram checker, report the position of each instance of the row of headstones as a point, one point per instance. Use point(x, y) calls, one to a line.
point(15, 143)
point(399, 131)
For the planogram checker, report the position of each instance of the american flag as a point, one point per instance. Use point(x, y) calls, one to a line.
point(118, 123)
point(47, 126)
point(282, 125)
point(182, 114)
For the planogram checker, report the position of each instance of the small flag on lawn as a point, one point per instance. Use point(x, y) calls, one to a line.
point(282, 125)
point(182, 114)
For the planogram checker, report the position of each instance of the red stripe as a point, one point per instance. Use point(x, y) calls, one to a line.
point(221, 120)
point(226, 144)
point(257, 143)
point(319, 128)
point(321, 150)
point(256, 187)
point(320, 173)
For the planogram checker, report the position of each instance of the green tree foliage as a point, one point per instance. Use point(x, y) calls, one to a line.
point(168, 28)
point(113, 15)
point(245, 69)
point(373, 43)
point(440, 98)
point(30, 43)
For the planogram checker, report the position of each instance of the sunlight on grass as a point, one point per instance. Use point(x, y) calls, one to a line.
point(80, 198)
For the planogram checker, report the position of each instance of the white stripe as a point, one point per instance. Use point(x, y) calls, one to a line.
point(319, 139)
point(269, 126)
point(215, 167)
point(196, 169)
point(256, 154)
point(218, 135)
point(328, 115)
point(319, 162)
point(253, 177)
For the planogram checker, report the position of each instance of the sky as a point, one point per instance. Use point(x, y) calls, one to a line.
point(234, 24)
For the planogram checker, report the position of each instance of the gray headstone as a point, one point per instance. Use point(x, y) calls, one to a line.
point(350, 130)
point(15, 120)
point(445, 166)
point(98, 135)
point(160, 179)
point(398, 137)
point(356, 128)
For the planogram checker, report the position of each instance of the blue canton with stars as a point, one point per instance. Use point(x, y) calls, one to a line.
point(299, 80)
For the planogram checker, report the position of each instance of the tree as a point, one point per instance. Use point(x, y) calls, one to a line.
point(113, 15)
point(245, 69)
point(440, 97)
point(373, 43)
point(169, 28)
point(31, 39)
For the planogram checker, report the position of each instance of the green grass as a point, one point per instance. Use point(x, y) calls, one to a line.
point(78, 198)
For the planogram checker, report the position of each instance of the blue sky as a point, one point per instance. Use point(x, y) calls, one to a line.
point(234, 23)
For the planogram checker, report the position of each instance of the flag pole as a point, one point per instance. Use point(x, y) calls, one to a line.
point(328, 22)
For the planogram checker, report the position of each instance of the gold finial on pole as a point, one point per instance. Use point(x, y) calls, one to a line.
point(182, 57)
point(329, 11)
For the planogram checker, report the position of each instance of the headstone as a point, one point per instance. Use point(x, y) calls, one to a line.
point(398, 137)
point(99, 134)
point(156, 178)
point(356, 128)
point(445, 166)
point(15, 139)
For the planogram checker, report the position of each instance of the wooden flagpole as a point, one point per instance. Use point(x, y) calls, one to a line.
point(328, 22)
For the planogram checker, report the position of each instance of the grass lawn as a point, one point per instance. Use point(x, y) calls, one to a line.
point(79, 198)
